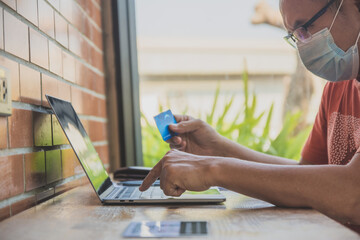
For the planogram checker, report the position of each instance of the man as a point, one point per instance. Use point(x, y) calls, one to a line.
point(326, 35)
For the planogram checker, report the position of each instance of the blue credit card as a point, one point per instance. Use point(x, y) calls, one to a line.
point(163, 120)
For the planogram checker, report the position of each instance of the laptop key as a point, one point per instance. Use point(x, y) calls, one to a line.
point(113, 193)
point(136, 194)
point(128, 193)
point(117, 196)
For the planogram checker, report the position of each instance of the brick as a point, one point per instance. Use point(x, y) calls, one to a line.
point(89, 79)
point(66, 9)
point(68, 159)
point(102, 108)
point(96, 37)
point(71, 11)
point(83, 75)
point(94, 106)
point(103, 152)
point(86, 27)
point(97, 59)
point(80, 18)
point(65, 91)
point(75, 41)
point(13, 68)
point(100, 84)
point(84, 5)
point(1, 29)
point(30, 87)
point(55, 57)
point(96, 14)
point(85, 51)
point(55, 3)
point(12, 176)
point(77, 17)
point(3, 133)
point(35, 175)
point(85, 124)
point(55, 88)
point(98, 131)
point(53, 166)
point(79, 21)
point(16, 37)
point(59, 137)
point(10, 3)
point(98, 2)
point(39, 49)
point(42, 129)
point(77, 99)
point(46, 18)
point(88, 104)
point(21, 129)
point(22, 205)
point(49, 86)
point(4, 213)
point(68, 67)
point(28, 9)
point(61, 30)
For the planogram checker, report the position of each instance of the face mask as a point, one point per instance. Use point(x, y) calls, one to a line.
point(324, 58)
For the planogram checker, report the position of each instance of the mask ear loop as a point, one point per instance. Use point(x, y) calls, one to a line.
point(337, 12)
point(357, 40)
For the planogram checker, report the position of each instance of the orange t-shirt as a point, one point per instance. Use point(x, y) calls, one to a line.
point(335, 136)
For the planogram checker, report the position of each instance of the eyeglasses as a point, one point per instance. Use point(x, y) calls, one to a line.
point(301, 34)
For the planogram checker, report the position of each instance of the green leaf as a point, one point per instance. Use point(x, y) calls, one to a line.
point(242, 129)
point(210, 117)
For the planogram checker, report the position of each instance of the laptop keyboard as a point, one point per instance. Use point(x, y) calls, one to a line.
point(131, 193)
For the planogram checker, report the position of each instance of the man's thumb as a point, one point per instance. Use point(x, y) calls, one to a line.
point(186, 126)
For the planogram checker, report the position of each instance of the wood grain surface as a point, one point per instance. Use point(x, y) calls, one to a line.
point(78, 214)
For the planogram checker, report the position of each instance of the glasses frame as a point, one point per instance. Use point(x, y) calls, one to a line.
point(292, 39)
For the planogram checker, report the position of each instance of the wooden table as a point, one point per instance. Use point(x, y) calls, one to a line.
point(78, 214)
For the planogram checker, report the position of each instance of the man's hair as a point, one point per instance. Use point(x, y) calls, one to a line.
point(335, 5)
point(357, 3)
point(338, 2)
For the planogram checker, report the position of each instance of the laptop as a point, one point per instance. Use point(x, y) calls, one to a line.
point(108, 191)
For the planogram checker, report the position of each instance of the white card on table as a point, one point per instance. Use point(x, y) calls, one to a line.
point(158, 229)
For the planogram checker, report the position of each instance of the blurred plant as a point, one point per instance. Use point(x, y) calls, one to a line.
point(243, 129)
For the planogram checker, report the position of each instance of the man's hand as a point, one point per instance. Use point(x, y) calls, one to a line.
point(195, 136)
point(180, 171)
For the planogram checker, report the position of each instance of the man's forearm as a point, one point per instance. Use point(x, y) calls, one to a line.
point(235, 150)
point(294, 186)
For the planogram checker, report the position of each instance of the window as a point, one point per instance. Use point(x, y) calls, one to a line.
point(193, 54)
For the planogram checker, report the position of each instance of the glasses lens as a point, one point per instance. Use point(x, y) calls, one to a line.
point(290, 40)
point(302, 35)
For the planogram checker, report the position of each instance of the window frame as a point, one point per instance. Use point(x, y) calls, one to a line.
point(127, 82)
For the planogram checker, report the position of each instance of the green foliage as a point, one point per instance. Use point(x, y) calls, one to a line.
point(243, 129)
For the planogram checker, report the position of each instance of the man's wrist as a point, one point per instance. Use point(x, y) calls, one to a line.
point(225, 148)
point(214, 173)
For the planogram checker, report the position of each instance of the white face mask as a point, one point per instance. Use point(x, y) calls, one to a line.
point(324, 58)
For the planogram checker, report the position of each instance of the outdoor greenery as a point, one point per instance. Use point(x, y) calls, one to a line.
point(288, 143)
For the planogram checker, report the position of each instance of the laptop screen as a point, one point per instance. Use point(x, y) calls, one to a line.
point(81, 144)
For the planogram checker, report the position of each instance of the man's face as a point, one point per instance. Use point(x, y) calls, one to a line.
point(346, 27)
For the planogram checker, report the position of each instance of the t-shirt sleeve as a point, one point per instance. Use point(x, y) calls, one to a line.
point(315, 148)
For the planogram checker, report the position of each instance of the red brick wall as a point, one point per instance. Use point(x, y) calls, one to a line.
point(50, 47)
